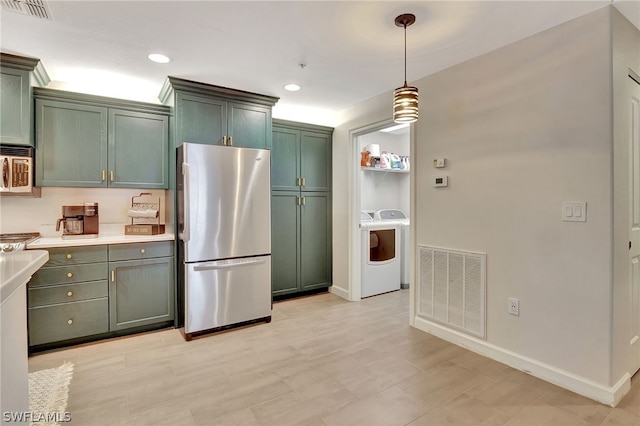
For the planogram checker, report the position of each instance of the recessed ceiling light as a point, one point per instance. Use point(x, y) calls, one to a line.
point(292, 87)
point(159, 58)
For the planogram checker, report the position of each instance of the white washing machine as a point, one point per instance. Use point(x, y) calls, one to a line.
point(398, 217)
point(380, 256)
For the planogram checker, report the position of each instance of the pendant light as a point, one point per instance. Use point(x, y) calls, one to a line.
point(405, 98)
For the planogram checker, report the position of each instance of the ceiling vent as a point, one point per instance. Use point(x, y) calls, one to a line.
point(35, 8)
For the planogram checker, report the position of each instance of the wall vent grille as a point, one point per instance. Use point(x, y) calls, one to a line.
point(452, 288)
point(36, 8)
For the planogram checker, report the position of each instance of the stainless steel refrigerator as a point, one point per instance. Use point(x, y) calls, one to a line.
point(224, 231)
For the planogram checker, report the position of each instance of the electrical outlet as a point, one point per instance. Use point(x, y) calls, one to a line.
point(514, 306)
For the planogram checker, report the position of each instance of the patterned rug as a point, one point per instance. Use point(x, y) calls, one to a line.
point(48, 395)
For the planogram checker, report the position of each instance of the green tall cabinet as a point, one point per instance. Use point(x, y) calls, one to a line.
point(300, 207)
point(91, 141)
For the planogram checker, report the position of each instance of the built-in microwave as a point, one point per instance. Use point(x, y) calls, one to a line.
point(16, 163)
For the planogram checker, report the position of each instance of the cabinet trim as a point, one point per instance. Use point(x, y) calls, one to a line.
point(172, 83)
point(82, 98)
point(277, 122)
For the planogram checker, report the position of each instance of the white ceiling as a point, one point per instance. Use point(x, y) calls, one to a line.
point(352, 50)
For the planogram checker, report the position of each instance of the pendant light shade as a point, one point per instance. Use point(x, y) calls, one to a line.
point(405, 104)
point(405, 98)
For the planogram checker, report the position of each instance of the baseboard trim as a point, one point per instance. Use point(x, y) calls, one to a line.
point(340, 292)
point(606, 395)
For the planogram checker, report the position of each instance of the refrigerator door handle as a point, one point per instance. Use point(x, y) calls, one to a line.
point(187, 202)
point(228, 264)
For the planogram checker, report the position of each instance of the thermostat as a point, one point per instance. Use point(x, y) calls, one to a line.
point(440, 181)
point(439, 163)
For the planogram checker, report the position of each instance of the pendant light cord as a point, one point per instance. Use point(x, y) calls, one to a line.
point(405, 54)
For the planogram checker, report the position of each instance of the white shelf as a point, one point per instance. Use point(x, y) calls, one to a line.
point(375, 169)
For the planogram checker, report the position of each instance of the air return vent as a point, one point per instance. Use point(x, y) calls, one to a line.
point(35, 8)
point(452, 288)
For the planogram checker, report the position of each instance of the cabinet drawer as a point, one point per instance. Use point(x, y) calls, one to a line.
point(41, 296)
point(69, 274)
point(68, 320)
point(140, 251)
point(75, 255)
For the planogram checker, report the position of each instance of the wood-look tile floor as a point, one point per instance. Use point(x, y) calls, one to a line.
point(321, 361)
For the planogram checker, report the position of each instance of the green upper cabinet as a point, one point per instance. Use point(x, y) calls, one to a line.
point(89, 141)
point(71, 144)
point(249, 125)
point(217, 115)
point(15, 98)
point(285, 159)
point(301, 157)
point(138, 149)
point(201, 119)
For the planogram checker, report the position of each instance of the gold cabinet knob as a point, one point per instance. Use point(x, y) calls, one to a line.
point(69, 321)
point(142, 251)
point(69, 274)
point(69, 293)
point(69, 255)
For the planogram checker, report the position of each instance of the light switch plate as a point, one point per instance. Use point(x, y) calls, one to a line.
point(439, 163)
point(574, 211)
point(440, 181)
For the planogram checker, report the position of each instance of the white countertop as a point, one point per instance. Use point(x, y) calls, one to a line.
point(109, 234)
point(17, 267)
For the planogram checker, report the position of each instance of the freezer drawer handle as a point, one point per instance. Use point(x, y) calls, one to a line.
point(230, 265)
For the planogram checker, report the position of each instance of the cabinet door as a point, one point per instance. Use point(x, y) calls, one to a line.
point(284, 242)
point(71, 144)
point(315, 161)
point(250, 126)
point(200, 119)
point(15, 113)
point(138, 149)
point(315, 241)
point(53, 323)
point(285, 159)
point(141, 292)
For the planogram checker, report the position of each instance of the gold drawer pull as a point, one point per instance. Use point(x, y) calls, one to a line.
point(113, 276)
point(69, 274)
point(103, 175)
point(69, 255)
point(111, 175)
point(69, 321)
point(143, 251)
point(69, 293)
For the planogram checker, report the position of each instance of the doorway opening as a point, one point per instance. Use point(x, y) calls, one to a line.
point(381, 183)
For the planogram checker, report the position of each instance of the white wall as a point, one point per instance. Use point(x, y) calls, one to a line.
point(524, 128)
point(19, 214)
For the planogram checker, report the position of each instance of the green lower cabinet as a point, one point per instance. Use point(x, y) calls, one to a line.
point(301, 242)
point(89, 292)
point(285, 242)
point(53, 323)
point(141, 292)
point(315, 241)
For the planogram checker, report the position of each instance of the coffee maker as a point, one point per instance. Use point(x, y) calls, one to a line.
point(79, 221)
